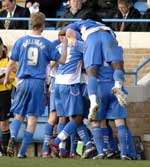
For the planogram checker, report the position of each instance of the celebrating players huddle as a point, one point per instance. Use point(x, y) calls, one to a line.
point(88, 70)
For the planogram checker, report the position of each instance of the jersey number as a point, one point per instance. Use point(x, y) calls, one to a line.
point(32, 56)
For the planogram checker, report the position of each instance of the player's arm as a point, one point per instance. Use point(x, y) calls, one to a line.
point(10, 68)
point(118, 88)
point(74, 39)
point(63, 55)
point(118, 75)
point(114, 55)
point(119, 82)
point(74, 26)
point(92, 91)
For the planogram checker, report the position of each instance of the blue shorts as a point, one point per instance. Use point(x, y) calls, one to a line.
point(29, 98)
point(99, 47)
point(109, 108)
point(93, 50)
point(68, 100)
point(52, 95)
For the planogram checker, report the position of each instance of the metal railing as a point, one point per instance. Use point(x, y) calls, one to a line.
point(70, 19)
point(73, 20)
point(135, 72)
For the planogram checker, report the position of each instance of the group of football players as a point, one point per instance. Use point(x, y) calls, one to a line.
point(87, 84)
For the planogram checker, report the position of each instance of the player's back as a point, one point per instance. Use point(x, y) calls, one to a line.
point(84, 23)
point(70, 72)
point(74, 57)
point(33, 54)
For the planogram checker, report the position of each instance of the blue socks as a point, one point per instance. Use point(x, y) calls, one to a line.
point(84, 135)
point(73, 143)
point(69, 129)
point(60, 127)
point(27, 139)
point(113, 146)
point(47, 136)
point(126, 142)
point(109, 143)
point(98, 139)
point(105, 133)
point(122, 136)
point(14, 128)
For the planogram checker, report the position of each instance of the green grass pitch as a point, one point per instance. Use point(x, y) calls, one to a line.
point(39, 162)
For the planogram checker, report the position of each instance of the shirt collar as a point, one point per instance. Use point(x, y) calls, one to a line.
point(12, 13)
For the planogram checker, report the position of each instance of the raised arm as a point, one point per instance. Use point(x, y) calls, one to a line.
point(64, 45)
point(74, 39)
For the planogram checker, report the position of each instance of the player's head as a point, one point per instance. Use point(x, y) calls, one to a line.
point(61, 35)
point(37, 21)
point(93, 16)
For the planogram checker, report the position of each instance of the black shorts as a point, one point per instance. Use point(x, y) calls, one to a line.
point(5, 104)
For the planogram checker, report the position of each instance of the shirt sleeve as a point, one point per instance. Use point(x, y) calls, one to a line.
point(15, 51)
point(79, 45)
point(73, 26)
point(54, 53)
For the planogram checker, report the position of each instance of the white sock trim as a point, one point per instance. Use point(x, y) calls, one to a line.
point(62, 145)
point(63, 135)
point(92, 99)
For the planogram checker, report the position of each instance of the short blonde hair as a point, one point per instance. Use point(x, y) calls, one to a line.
point(62, 33)
point(37, 20)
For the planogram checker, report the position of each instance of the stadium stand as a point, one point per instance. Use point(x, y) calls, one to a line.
point(141, 6)
point(20, 2)
point(126, 11)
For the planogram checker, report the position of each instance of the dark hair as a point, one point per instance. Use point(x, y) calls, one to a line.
point(1, 41)
point(5, 50)
point(62, 33)
point(92, 16)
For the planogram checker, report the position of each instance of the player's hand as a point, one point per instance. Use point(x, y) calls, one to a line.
point(120, 95)
point(71, 36)
point(92, 112)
